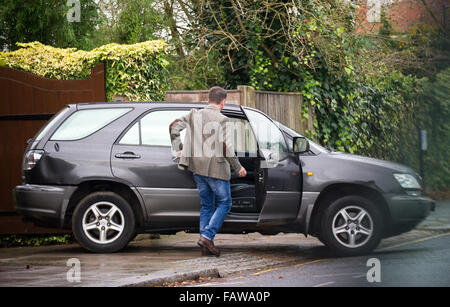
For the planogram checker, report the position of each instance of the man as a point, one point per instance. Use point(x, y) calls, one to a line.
point(208, 152)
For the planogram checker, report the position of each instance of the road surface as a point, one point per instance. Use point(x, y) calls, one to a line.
point(424, 262)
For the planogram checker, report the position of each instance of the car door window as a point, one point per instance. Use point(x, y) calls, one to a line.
point(132, 137)
point(153, 129)
point(244, 140)
point(272, 144)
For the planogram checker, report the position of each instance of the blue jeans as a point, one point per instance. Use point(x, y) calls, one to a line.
point(212, 191)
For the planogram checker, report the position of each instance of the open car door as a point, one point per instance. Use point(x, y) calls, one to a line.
point(280, 173)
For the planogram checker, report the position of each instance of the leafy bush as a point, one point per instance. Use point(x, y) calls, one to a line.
point(138, 71)
point(311, 47)
point(364, 88)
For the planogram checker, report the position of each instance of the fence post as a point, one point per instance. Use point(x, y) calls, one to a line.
point(247, 96)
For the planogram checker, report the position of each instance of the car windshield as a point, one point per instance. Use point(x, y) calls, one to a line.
point(293, 133)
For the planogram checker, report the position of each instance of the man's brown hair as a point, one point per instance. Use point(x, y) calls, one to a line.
point(217, 94)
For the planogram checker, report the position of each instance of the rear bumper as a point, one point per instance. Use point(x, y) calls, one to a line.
point(43, 204)
point(408, 211)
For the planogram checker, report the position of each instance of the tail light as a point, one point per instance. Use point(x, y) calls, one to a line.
point(31, 158)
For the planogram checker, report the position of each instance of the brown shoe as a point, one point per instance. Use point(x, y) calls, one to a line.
point(203, 242)
point(206, 252)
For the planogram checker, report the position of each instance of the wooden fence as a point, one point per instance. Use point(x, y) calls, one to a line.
point(283, 107)
point(27, 101)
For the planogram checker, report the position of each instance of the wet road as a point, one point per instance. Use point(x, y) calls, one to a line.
point(424, 262)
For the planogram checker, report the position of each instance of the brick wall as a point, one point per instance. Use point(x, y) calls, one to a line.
point(402, 14)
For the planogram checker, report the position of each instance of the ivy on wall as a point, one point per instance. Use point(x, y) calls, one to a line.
point(138, 71)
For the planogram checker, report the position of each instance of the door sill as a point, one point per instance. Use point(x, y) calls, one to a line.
point(242, 217)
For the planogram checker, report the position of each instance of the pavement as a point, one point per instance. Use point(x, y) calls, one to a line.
point(174, 259)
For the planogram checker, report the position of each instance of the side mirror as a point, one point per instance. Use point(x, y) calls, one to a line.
point(301, 144)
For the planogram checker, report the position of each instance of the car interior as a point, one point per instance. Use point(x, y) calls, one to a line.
point(244, 190)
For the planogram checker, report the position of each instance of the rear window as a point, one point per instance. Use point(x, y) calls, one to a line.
point(85, 122)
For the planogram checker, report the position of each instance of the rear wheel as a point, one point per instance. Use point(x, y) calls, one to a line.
point(351, 225)
point(103, 222)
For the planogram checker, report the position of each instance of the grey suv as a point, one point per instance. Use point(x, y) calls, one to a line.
point(107, 171)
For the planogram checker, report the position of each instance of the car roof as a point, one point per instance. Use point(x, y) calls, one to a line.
point(151, 104)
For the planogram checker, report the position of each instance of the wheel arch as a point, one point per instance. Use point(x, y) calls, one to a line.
point(339, 190)
point(87, 187)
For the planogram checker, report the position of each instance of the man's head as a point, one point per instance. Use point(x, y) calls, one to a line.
point(217, 96)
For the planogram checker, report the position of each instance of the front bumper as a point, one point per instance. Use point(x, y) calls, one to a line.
point(408, 211)
point(44, 204)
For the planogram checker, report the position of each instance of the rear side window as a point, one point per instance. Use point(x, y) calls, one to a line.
point(51, 123)
point(85, 122)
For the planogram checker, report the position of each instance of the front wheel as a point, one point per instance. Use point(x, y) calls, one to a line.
point(103, 222)
point(351, 225)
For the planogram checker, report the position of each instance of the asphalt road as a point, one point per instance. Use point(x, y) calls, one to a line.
point(424, 262)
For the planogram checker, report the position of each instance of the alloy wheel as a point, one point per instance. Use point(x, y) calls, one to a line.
point(352, 226)
point(103, 222)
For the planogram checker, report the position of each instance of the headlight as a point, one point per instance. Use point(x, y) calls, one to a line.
point(407, 181)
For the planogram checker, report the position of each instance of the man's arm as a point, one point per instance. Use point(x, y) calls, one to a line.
point(175, 129)
point(228, 151)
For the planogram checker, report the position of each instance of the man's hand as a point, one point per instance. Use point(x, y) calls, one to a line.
point(242, 172)
point(179, 154)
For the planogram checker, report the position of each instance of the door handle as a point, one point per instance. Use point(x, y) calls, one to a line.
point(127, 155)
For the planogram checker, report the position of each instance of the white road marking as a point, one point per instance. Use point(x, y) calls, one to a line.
point(324, 284)
point(340, 274)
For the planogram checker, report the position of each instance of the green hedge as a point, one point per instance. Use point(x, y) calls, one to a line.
point(34, 240)
point(433, 112)
point(138, 71)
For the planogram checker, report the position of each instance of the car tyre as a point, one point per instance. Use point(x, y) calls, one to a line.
point(103, 222)
point(351, 226)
